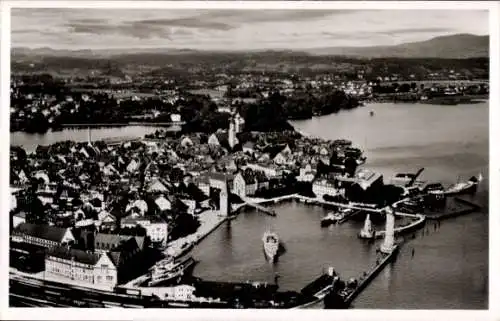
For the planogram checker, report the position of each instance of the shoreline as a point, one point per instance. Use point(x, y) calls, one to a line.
point(438, 101)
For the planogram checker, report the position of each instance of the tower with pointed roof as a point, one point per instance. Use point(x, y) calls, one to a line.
point(231, 134)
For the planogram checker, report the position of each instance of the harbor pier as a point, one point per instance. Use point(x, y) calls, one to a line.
point(262, 208)
point(348, 216)
point(365, 280)
point(469, 208)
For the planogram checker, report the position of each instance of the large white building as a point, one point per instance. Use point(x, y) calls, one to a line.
point(323, 187)
point(244, 185)
point(270, 170)
point(306, 174)
point(156, 228)
point(91, 268)
point(364, 178)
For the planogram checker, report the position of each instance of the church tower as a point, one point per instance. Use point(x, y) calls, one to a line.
point(238, 122)
point(232, 134)
point(388, 244)
point(224, 206)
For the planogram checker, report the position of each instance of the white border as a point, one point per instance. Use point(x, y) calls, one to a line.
point(150, 314)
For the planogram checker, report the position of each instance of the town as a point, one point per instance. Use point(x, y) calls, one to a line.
point(242, 178)
point(102, 214)
point(202, 96)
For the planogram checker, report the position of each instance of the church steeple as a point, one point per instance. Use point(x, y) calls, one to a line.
point(232, 133)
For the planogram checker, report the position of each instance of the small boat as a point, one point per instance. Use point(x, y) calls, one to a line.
point(170, 271)
point(331, 218)
point(372, 113)
point(468, 187)
point(271, 245)
point(367, 232)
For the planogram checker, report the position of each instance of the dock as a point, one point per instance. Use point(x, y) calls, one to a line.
point(370, 276)
point(262, 208)
point(420, 220)
point(471, 209)
point(348, 216)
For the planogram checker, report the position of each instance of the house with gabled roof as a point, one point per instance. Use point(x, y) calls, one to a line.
point(156, 186)
point(245, 183)
point(139, 206)
point(249, 147)
point(43, 234)
point(163, 204)
point(106, 219)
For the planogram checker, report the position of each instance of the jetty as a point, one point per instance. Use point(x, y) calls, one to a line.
point(420, 220)
point(366, 279)
point(261, 208)
point(348, 216)
point(470, 208)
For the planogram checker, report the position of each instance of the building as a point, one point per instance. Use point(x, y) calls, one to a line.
point(280, 159)
point(239, 123)
point(270, 170)
point(156, 228)
point(262, 180)
point(219, 180)
point(232, 141)
point(364, 178)
point(323, 187)
point(203, 183)
point(18, 218)
point(43, 235)
point(306, 174)
point(248, 147)
point(91, 268)
point(176, 118)
point(245, 183)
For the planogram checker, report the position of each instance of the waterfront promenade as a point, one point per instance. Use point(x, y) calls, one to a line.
point(209, 221)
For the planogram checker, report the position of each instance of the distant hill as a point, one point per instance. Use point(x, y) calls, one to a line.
point(458, 46)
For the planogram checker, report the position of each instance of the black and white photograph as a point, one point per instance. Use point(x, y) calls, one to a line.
point(248, 158)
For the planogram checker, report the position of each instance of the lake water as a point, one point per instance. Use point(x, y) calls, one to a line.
point(30, 141)
point(449, 269)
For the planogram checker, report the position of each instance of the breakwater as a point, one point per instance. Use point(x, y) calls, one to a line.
point(365, 280)
point(470, 208)
point(419, 222)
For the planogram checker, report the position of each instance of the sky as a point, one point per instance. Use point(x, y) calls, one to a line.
point(234, 29)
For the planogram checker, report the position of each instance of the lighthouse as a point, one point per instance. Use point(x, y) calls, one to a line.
point(388, 244)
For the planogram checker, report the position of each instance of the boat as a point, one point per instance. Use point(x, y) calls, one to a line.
point(372, 113)
point(367, 232)
point(468, 187)
point(271, 245)
point(319, 288)
point(169, 270)
point(331, 218)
